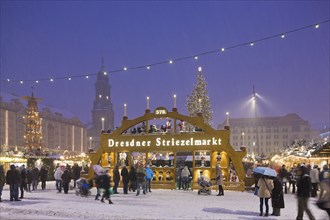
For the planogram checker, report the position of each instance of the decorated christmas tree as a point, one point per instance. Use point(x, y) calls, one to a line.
point(199, 101)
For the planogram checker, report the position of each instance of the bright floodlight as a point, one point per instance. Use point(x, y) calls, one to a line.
point(222, 49)
point(317, 26)
point(282, 36)
point(170, 61)
point(199, 69)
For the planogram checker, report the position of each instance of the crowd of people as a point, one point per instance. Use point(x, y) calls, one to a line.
point(304, 181)
point(308, 181)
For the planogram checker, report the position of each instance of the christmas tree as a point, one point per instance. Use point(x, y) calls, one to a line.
point(199, 101)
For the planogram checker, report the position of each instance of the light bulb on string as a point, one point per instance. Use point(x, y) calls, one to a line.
point(222, 49)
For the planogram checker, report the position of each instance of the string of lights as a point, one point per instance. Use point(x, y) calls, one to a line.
point(170, 61)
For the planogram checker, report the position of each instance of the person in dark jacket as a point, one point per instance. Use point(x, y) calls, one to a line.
point(66, 180)
point(29, 179)
point(75, 174)
point(125, 178)
point(140, 173)
point(304, 188)
point(13, 179)
point(2, 180)
point(132, 178)
point(35, 178)
point(284, 176)
point(43, 177)
point(277, 197)
point(22, 186)
point(116, 179)
point(105, 185)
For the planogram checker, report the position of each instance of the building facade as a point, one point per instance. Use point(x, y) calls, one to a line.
point(268, 135)
point(59, 131)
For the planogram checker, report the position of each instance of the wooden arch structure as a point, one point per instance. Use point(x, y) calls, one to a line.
point(215, 142)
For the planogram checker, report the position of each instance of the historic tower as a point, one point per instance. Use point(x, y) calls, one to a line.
point(33, 133)
point(102, 112)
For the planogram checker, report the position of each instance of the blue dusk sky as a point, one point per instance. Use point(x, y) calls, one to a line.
point(45, 39)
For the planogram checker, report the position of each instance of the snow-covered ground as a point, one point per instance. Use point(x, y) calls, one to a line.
point(160, 204)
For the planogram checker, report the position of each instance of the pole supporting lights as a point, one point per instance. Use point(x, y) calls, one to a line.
point(243, 139)
point(90, 142)
point(227, 118)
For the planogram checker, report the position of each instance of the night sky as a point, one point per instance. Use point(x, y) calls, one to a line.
point(41, 40)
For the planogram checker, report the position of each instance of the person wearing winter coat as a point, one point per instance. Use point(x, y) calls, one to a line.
point(2, 180)
point(132, 179)
point(75, 174)
point(29, 180)
point(219, 180)
point(66, 178)
point(304, 187)
point(58, 179)
point(314, 174)
point(13, 179)
point(185, 177)
point(149, 176)
point(22, 186)
point(284, 176)
point(104, 183)
point(43, 177)
point(266, 186)
point(125, 178)
point(116, 179)
point(35, 178)
point(277, 197)
point(140, 173)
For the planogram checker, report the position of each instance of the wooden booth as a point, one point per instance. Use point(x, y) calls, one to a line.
point(168, 141)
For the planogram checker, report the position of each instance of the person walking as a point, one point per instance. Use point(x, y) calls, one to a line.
point(43, 177)
point(264, 193)
point(105, 185)
point(277, 197)
point(66, 178)
point(324, 180)
point(292, 180)
point(304, 187)
point(13, 179)
point(23, 175)
point(58, 179)
point(140, 173)
point(75, 174)
point(35, 178)
point(125, 178)
point(314, 174)
point(149, 176)
point(116, 179)
point(185, 177)
point(284, 175)
point(219, 180)
point(132, 179)
point(29, 179)
point(2, 180)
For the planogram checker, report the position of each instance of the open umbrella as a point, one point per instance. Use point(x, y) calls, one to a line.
point(266, 171)
point(98, 169)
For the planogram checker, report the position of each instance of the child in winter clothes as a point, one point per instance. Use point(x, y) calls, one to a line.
point(149, 176)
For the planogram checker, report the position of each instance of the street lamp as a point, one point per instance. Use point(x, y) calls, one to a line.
point(90, 142)
point(243, 138)
point(254, 99)
point(102, 124)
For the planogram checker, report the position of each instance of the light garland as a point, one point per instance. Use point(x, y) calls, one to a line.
point(282, 35)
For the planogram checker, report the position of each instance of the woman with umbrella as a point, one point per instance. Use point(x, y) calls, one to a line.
point(266, 186)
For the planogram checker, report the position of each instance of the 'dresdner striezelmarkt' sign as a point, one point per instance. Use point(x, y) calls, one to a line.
point(159, 141)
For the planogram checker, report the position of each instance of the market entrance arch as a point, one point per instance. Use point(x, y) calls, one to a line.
point(164, 148)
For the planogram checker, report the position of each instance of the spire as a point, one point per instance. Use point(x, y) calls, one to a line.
point(102, 64)
point(32, 92)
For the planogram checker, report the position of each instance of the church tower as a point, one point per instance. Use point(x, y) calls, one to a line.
point(102, 112)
